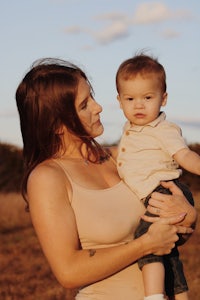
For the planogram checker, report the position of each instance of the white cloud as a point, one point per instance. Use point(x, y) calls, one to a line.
point(119, 24)
point(112, 32)
point(170, 34)
point(153, 12)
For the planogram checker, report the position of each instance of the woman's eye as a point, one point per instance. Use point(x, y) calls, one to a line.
point(84, 105)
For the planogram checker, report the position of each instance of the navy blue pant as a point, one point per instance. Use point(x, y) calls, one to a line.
point(175, 281)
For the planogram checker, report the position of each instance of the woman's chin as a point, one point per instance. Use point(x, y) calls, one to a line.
point(99, 131)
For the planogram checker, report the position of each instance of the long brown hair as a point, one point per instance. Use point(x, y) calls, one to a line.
point(46, 101)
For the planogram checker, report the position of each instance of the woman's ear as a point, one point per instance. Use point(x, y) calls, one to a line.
point(60, 130)
point(164, 99)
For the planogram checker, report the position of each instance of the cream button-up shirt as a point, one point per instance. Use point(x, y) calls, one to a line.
point(145, 154)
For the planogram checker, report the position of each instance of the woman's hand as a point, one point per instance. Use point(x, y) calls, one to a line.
point(171, 205)
point(163, 233)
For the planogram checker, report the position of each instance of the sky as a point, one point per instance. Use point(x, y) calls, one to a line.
point(98, 35)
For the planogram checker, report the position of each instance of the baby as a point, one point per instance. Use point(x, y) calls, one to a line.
point(150, 151)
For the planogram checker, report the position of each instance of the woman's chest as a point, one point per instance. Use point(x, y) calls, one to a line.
point(106, 217)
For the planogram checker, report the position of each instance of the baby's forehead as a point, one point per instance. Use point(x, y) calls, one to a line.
point(140, 76)
point(141, 84)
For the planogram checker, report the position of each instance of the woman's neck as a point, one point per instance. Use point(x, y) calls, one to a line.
point(76, 150)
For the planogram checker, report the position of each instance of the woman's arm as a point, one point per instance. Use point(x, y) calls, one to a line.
point(171, 205)
point(54, 221)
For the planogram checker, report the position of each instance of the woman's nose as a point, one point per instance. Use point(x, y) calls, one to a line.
point(98, 107)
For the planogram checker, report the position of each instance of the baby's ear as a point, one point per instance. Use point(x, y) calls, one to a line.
point(118, 98)
point(164, 99)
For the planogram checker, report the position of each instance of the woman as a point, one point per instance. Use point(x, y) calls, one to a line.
point(83, 214)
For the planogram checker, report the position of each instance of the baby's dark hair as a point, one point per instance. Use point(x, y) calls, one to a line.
point(141, 64)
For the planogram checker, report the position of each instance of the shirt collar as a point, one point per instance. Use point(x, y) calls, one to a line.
point(154, 123)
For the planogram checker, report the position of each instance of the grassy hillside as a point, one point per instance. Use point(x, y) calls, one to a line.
point(24, 271)
point(11, 168)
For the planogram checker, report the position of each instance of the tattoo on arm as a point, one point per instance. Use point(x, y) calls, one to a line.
point(91, 252)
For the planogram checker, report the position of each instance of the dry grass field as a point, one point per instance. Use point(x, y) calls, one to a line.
point(24, 272)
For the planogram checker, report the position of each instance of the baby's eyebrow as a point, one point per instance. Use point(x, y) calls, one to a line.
point(128, 95)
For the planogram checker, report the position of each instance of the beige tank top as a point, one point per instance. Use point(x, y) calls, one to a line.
point(106, 218)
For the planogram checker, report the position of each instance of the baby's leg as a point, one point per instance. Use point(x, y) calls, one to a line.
point(152, 267)
point(175, 281)
point(153, 277)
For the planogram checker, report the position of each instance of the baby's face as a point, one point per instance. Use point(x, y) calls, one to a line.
point(141, 98)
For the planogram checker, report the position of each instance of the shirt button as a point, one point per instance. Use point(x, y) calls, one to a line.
point(127, 132)
point(119, 164)
point(123, 149)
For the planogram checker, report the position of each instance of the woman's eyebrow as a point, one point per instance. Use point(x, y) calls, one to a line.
point(83, 102)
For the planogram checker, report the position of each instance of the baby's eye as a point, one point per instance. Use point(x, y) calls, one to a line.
point(147, 98)
point(130, 99)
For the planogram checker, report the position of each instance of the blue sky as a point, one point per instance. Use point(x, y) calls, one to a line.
point(98, 36)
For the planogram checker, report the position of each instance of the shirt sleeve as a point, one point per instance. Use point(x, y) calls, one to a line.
point(170, 136)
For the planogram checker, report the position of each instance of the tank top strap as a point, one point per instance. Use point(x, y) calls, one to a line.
point(113, 160)
point(60, 164)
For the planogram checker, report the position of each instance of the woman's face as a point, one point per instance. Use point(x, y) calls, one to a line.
point(88, 110)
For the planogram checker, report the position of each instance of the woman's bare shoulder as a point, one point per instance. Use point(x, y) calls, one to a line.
point(48, 175)
point(46, 170)
point(48, 189)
